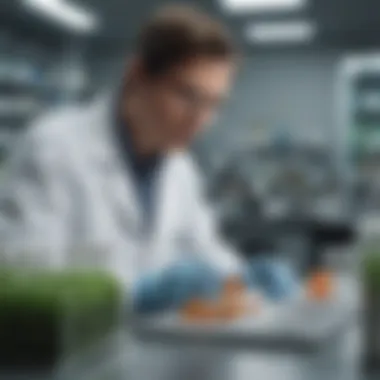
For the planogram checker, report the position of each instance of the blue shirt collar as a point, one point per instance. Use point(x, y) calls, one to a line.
point(141, 165)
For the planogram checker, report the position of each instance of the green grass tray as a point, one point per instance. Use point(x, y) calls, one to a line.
point(48, 316)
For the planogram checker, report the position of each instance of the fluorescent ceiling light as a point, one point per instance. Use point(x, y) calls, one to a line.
point(261, 5)
point(281, 32)
point(70, 15)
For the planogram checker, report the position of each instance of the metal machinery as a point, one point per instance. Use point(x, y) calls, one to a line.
point(284, 199)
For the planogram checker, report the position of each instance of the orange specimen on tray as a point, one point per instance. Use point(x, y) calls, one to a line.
point(233, 287)
point(233, 303)
point(320, 285)
point(199, 309)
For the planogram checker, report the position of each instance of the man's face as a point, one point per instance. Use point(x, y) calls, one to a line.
point(182, 102)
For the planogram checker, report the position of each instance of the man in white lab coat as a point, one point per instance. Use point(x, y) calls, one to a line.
point(111, 185)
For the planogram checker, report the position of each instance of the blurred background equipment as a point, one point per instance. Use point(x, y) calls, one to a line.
point(41, 63)
point(359, 84)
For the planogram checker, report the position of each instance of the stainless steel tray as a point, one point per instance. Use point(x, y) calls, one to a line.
point(298, 325)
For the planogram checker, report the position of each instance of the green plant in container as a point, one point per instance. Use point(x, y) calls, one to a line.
point(371, 264)
point(46, 317)
point(371, 282)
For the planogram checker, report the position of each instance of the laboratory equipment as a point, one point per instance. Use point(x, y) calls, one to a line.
point(359, 126)
point(288, 202)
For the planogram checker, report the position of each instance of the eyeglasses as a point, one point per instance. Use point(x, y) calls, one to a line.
point(194, 98)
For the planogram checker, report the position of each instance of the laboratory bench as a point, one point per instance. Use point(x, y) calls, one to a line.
point(293, 341)
point(340, 361)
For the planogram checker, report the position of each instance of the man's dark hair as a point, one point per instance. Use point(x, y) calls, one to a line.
point(176, 34)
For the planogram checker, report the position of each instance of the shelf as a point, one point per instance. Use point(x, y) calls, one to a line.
point(12, 86)
point(18, 83)
point(15, 122)
point(368, 82)
point(367, 118)
point(18, 104)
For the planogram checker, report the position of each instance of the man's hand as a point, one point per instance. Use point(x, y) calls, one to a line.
point(174, 286)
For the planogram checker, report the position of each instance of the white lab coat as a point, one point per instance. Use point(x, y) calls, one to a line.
point(68, 200)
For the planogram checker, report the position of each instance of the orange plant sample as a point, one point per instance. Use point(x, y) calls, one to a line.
point(233, 303)
point(320, 285)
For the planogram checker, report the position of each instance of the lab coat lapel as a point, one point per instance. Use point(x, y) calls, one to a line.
point(166, 221)
point(119, 186)
point(162, 198)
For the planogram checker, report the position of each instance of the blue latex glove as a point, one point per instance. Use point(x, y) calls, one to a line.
point(174, 286)
point(275, 278)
